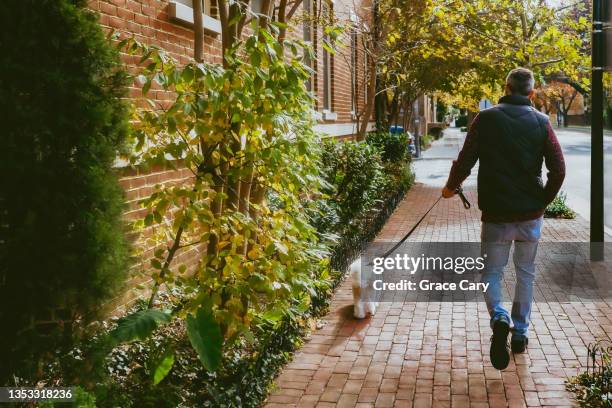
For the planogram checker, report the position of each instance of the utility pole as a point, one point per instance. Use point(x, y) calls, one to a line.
point(417, 129)
point(598, 59)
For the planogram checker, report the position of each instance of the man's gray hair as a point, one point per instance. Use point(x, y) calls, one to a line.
point(520, 81)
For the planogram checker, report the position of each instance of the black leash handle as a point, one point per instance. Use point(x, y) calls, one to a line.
point(464, 200)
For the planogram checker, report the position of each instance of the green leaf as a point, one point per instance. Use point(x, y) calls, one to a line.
point(206, 338)
point(274, 315)
point(187, 74)
point(159, 253)
point(163, 367)
point(139, 325)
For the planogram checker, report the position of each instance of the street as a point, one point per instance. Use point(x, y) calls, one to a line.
point(433, 168)
point(577, 151)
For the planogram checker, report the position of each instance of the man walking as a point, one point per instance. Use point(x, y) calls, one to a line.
point(511, 140)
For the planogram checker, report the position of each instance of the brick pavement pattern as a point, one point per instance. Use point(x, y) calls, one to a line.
point(434, 354)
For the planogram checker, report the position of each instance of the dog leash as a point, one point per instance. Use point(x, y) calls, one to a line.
point(466, 205)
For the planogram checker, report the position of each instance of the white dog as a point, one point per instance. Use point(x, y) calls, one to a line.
point(362, 305)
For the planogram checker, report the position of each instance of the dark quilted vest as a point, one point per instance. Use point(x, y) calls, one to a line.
point(511, 139)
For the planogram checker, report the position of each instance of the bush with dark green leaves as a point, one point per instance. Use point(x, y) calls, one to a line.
point(359, 180)
point(354, 171)
point(392, 146)
point(362, 192)
point(62, 246)
point(129, 373)
point(436, 132)
point(461, 121)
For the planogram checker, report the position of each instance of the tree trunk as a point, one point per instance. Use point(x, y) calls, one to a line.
point(369, 106)
point(171, 252)
point(381, 108)
point(394, 109)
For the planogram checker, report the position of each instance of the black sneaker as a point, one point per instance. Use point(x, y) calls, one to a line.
point(499, 353)
point(519, 344)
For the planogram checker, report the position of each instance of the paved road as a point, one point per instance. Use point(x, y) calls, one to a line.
point(433, 168)
point(577, 151)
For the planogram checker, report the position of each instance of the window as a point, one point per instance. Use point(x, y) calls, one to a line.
point(327, 61)
point(308, 36)
point(354, 71)
point(327, 97)
point(181, 11)
point(206, 6)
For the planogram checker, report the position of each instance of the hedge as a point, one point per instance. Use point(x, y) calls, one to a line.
point(62, 247)
point(248, 369)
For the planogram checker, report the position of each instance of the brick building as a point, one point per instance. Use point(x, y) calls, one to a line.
point(339, 82)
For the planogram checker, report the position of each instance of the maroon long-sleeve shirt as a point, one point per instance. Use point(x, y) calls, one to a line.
point(553, 158)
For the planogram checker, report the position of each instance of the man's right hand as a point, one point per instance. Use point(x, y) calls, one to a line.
point(446, 193)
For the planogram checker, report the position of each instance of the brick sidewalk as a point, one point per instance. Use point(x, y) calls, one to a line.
point(433, 354)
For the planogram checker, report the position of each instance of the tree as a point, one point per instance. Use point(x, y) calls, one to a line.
point(566, 96)
point(545, 99)
point(559, 95)
point(244, 129)
point(62, 248)
point(504, 34)
point(411, 53)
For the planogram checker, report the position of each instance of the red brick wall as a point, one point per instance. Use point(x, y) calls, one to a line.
point(138, 184)
point(149, 22)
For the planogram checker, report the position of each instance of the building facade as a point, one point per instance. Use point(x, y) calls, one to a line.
point(338, 82)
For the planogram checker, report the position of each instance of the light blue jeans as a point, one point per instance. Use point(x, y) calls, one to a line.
point(497, 239)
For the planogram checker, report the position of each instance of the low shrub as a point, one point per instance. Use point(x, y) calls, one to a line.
point(426, 141)
point(354, 173)
point(381, 192)
point(243, 379)
point(461, 121)
point(559, 209)
point(392, 146)
point(593, 388)
point(436, 132)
